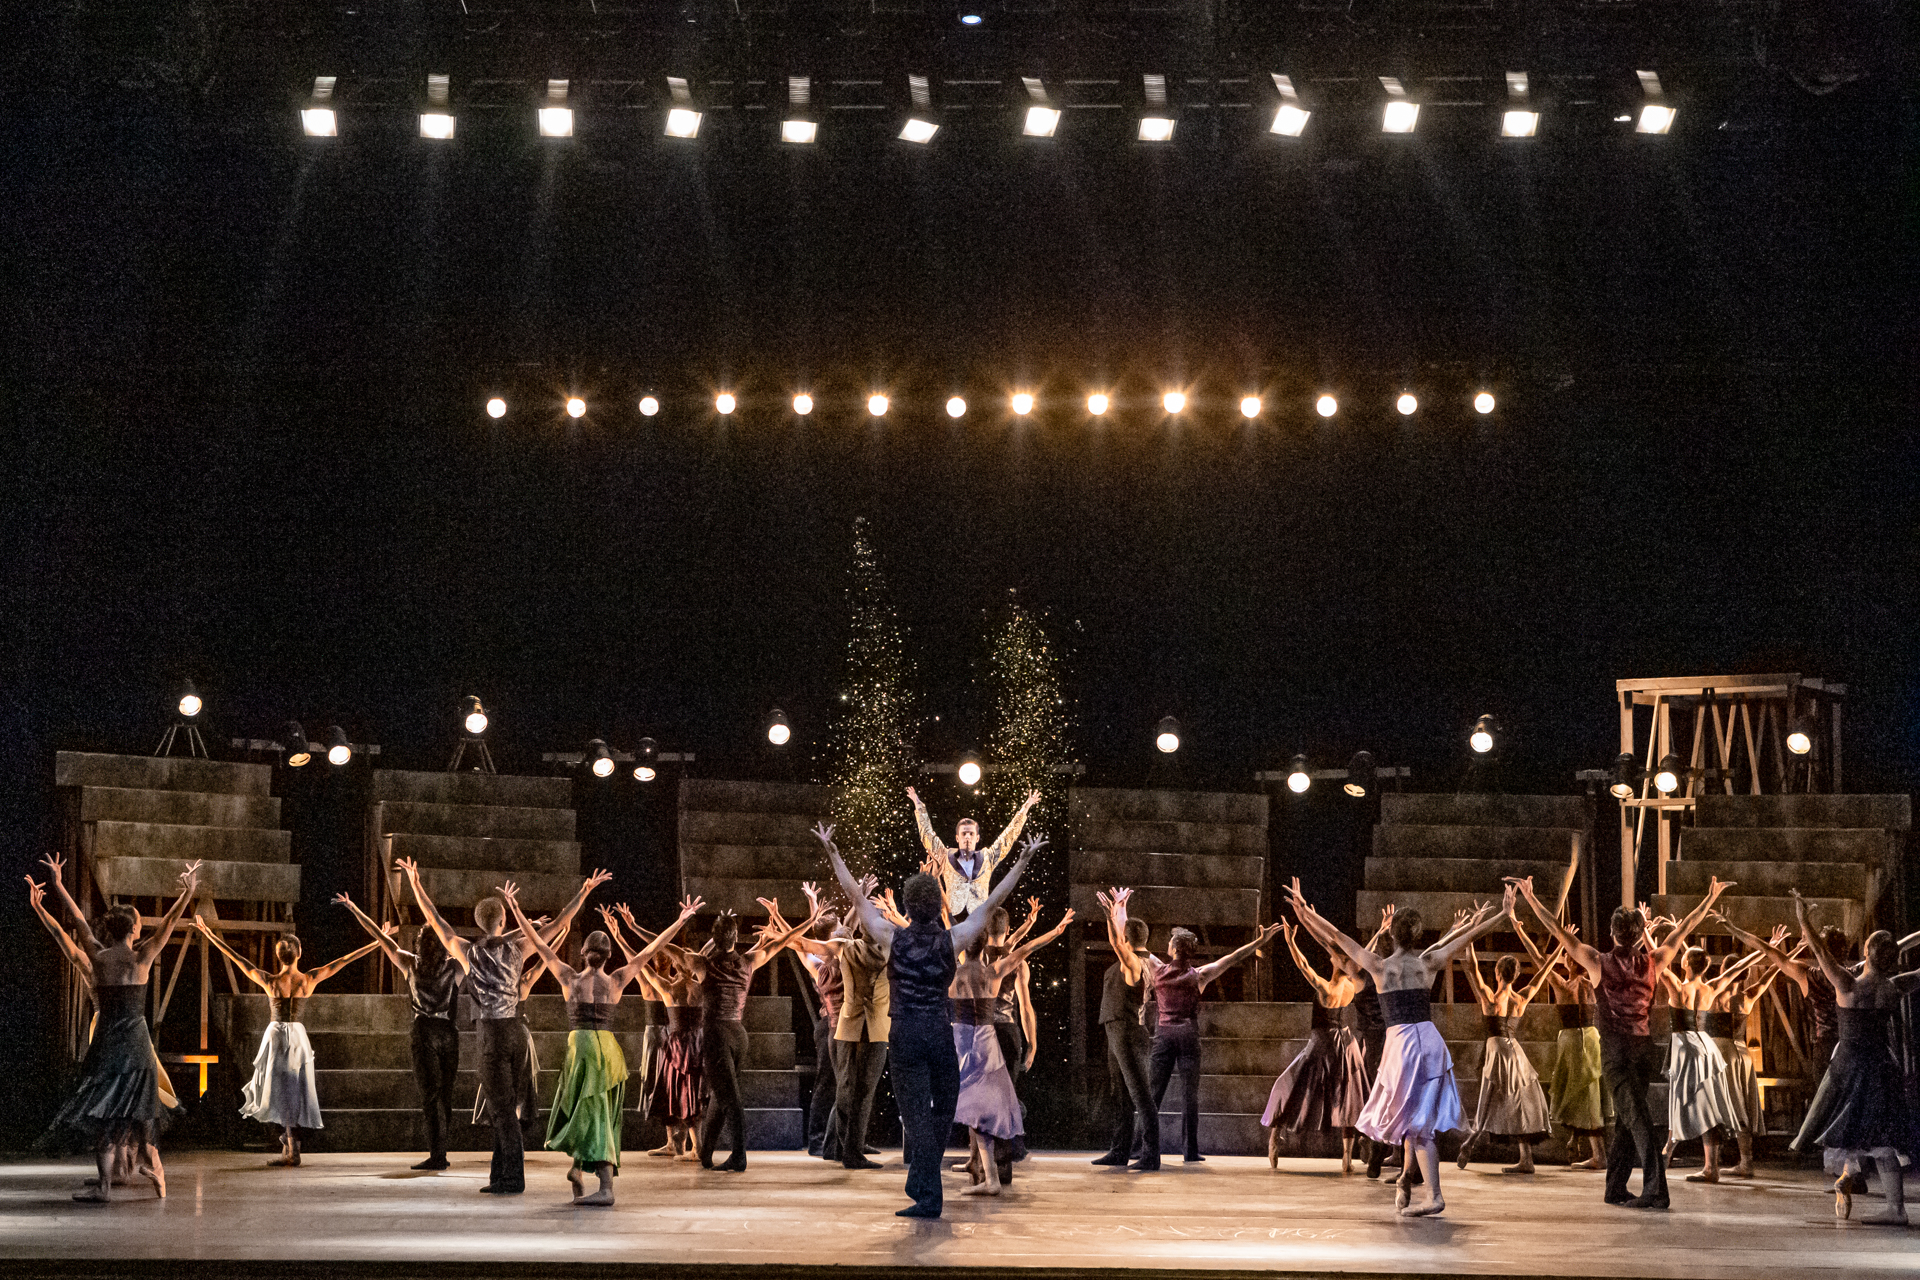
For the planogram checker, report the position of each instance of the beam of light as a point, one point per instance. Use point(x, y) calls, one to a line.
point(319, 122)
point(496, 408)
point(971, 19)
point(1519, 124)
point(1400, 116)
point(1174, 401)
point(877, 405)
point(1407, 404)
point(649, 406)
point(1098, 403)
point(576, 406)
point(1041, 122)
point(956, 407)
point(918, 130)
point(725, 403)
point(556, 122)
point(1483, 403)
point(436, 124)
point(1022, 403)
point(1156, 129)
point(1326, 406)
point(1290, 121)
point(803, 404)
point(1655, 118)
point(1249, 406)
point(799, 132)
point(683, 122)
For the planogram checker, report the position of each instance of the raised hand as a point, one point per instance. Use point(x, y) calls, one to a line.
point(1460, 917)
point(1386, 916)
point(689, 905)
point(823, 831)
point(1717, 886)
point(409, 867)
point(600, 876)
point(913, 796)
point(1780, 936)
point(773, 907)
point(511, 893)
point(1033, 904)
point(389, 929)
point(1030, 846)
point(626, 913)
point(869, 883)
point(1033, 798)
point(606, 914)
point(36, 892)
point(342, 899)
point(191, 876)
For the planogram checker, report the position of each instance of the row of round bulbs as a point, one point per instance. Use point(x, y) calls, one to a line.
point(1021, 402)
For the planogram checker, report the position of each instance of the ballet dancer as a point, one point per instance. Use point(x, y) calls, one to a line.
point(1727, 1024)
point(964, 870)
point(1576, 1096)
point(493, 964)
point(860, 1040)
point(1325, 1087)
point(1177, 985)
point(1014, 1022)
point(1700, 1101)
point(1625, 979)
point(118, 1104)
point(1124, 1019)
point(724, 993)
point(921, 960)
point(1511, 1104)
point(675, 1092)
point(654, 1035)
point(282, 1088)
point(589, 1102)
point(987, 1104)
point(820, 957)
point(1414, 1095)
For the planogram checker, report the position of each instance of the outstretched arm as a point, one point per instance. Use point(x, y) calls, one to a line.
point(1663, 956)
point(924, 825)
point(618, 935)
point(969, 931)
point(510, 894)
point(455, 944)
point(1577, 951)
point(1441, 953)
point(56, 881)
point(1019, 935)
point(156, 942)
point(36, 894)
point(564, 921)
point(1208, 972)
point(1321, 928)
point(767, 948)
point(1478, 984)
point(384, 940)
point(258, 977)
point(1132, 967)
point(1795, 970)
point(1836, 973)
point(878, 927)
point(1018, 956)
point(1314, 980)
point(317, 976)
point(1542, 978)
point(997, 851)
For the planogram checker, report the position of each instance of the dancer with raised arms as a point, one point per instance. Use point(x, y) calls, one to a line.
point(729, 975)
point(1700, 1101)
point(677, 1083)
point(1512, 1104)
point(1414, 1096)
point(1123, 1017)
point(921, 961)
point(965, 869)
point(1324, 1088)
point(118, 1102)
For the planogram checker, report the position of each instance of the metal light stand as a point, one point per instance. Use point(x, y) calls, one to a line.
point(480, 751)
point(196, 745)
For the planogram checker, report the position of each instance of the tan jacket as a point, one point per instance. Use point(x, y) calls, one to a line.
point(865, 995)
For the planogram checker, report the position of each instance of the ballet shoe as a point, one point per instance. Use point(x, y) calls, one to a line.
point(688, 1157)
point(1588, 1163)
point(158, 1177)
point(664, 1152)
point(95, 1196)
point(1708, 1175)
point(432, 1163)
point(917, 1211)
point(1109, 1160)
point(1466, 1154)
point(1402, 1197)
point(1842, 1199)
point(1427, 1210)
point(1739, 1171)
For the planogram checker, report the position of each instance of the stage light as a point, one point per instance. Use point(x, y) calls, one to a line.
point(644, 773)
point(339, 750)
point(683, 122)
point(778, 730)
point(600, 760)
point(1519, 124)
point(799, 132)
point(1626, 777)
point(1249, 406)
point(436, 121)
point(1174, 401)
point(1360, 774)
point(1166, 735)
point(1022, 403)
point(969, 770)
point(645, 753)
point(1098, 403)
point(1482, 737)
point(725, 403)
point(299, 752)
point(1041, 122)
point(1800, 735)
point(1290, 121)
point(649, 406)
point(1326, 406)
point(1655, 118)
point(1483, 403)
point(1666, 780)
point(956, 407)
point(1298, 779)
point(556, 122)
point(436, 124)
point(971, 19)
point(475, 716)
point(1156, 129)
point(1407, 404)
point(877, 405)
point(918, 130)
point(190, 703)
point(319, 122)
point(576, 407)
point(496, 408)
point(1400, 116)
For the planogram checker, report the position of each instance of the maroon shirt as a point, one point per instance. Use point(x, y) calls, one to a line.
point(1626, 991)
point(1177, 992)
point(729, 975)
point(827, 981)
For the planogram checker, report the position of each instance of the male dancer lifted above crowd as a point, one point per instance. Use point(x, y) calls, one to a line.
point(964, 871)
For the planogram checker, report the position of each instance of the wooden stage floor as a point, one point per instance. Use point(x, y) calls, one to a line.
point(369, 1215)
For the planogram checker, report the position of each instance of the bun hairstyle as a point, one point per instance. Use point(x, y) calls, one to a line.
point(1407, 928)
point(599, 943)
point(1507, 968)
point(117, 923)
point(287, 948)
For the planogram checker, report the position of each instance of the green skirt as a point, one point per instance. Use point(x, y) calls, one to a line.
point(587, 1105)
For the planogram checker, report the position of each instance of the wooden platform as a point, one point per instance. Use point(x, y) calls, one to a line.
point(366, 1215)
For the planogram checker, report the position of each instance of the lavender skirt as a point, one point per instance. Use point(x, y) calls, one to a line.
point(987, 1103)
point(1415, 1094)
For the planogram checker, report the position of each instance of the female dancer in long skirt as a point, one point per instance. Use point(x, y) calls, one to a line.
point(1699, 1101)
point(1325, 1088)
point(1576, 1093)
point(117, 1103)
point(673, 1096)
point(1415, 1096)
point(1727, 1023)
point(282, 1089)
point(1860, 1107)
point(1511, 1102)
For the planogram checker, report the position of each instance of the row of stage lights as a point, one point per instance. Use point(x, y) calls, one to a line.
point(1399, 114)
point(1021, 403)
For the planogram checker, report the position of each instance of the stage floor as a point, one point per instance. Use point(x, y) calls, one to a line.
point(787, 1211)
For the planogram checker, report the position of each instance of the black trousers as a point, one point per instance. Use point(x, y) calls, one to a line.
point(436, 1060)
point(1178, 1044)
point(926, 1084)
point(857, 1067)
point(1628, 1067)
point(503, 1059)
point(726, 1054)
point(825, 1087)
point(1136, 1130)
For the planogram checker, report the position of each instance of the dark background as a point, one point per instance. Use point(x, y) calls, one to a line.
point(244, 377)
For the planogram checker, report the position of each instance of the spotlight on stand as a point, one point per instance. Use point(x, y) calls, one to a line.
point(1626, 776)
point(1402, 114)
point(298, 750)
point(473, 716)
point(599, 759)
point(189, 706)
point(969, 770)
point(190, 703)
point(1800, 735)
point(645, 755)
point(1483, 739)
point(339, 750)
point(920, 126)
point(1666, 779)
point(436, 116)
point(1298, 779)
point(682, 120)
point(1166, 735)
point(1360, 774)
point(779, 732)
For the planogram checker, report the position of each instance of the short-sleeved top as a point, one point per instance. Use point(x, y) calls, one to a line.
point(1177, 991)
point(1626, 991)
point(865, 995)
point(432, 994)
point(920, 968)
point(724, 993)
point(493, 979)
point(1119, 1000)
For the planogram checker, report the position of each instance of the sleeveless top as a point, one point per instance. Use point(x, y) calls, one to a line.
point(1177, 991)
point(1822, 1008)
point(493, 984)
point(1120, 1002)
point(1369, 1021)
point(1404, 1007)
point(920, 970)
point(589, 1016)
point(729, 975)
point(1865, 1029)
point(975, 1011)
point(432, 994)
point(829, 985)
point(1006, 1005)
point(1626, 991)
point(283, 1008)
point(1499, 1025)
point(1719, 1023)
point(683, 1018)
point(120, 1001)
point(1325, 1019)
point(1573, 1016)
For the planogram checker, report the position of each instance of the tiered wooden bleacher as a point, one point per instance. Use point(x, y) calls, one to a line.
point(132, 822)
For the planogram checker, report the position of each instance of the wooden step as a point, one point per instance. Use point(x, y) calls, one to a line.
point(1473, 809)
point(804, 799)
point(160, 878)
point(1759, 915)
point(1116, 835)
point(1195, 908)
point(484, 853)
point(184, 843)
point(1524, 844)
point(491, 789)
point(1100, 865)
point(510, 822)
point(793, 830)
point(1484, 876)
point(1770, 879)
point(1869, 846)
point(1436, 907)
point(755, 862)
point(1888, 812)
point(541, 893)
point(160, 773)
point(186, 808)
point(1228, 808)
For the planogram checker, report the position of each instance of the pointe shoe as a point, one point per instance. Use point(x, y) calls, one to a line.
point(1273, 1148)
point(1402, 1197)
point(1706, 1175)
point(664, 1152)
point(1739, 1171)
point(158, 1177)
point(1588, 1163)
point(1842, 1199)
point(1427, 1210)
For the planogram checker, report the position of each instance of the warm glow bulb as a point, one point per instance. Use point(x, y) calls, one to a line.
point(1167, 742)
point(803, 404)
point(644, 772)
point(436, 124)
point(1298, 782)
point(1519, 124)
point(496, 408)
point(778, 734)
point(319, 122)
point(1483, 403)
point(725, 403)
point(970, 774)
point(920, 131)
point(956, 407)
point(1621, 790)
point(477, 723)
point(683, 122)
point(800, 132)
point(1654, 119)
point(556, 122)
point(1290, 121)
point(1156, 129)
point(1799, 743)
point(1326, 406)
point(1174, 401)
point(603, 767)
point(649, 406)
point(1097, 404)
point(1022, 403)
point(338, 755)
point(876, 404)
point(190, 705)
point(1481, 741)
point(575, 406)
point(1249, 406)
point(1400, 117)
point(1041, 122)
point(1407, 403)
point(1666, 782)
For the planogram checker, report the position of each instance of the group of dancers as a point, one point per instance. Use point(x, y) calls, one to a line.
point(933, 986)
